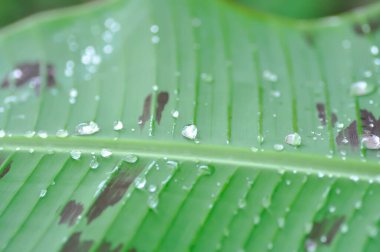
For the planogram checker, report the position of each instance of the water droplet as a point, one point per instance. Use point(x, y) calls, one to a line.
point(153, 201)
point(43, 193)
point(358, 204)
point(310, 245)
point(260, 139)
point(275, 93)
point(371, 142)
point(2, 133)
point(361, 88)
point(73, 93)
point(269, 76)
point(374, 50)
point(354, 178)
point(175, 113)
point(105, 153)
point(372, 230)
point(154, 29)
point(42, 134)
point(75, 154)
point(332, 209)
point(155, 39)
point(140, 182)
point(293, 139)
point(130, 158)
point(256, 219)
point(242, 203)
point(152, 188)
point(344, 228)
point(265, 202)
point(87, 128)
point(94, 162)
point(205, 170)
point(190, 131)
point(281, 222)
point(278, 147)
point(207, 77)
point(62, 133)
point(118, 125)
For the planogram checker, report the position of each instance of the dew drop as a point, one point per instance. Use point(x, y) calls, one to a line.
point(374, 50)
point(75, 154)
point(205, 170)
point(361, 88)
point(43, 193)
point(256, 219)
point(242, 203)
point(140, 182)
point(2, 133)
point(371, 142)
point(130, 158)
point(90, 128)
point(154, 29)
point(155, 39)
point(265, 202)
point(269, 76)
point(175, 113)
point(310, 245)
point(372, 231)
point(153, 201)
point(118, 125)
point(190, 131)
point(42, 134)
point(206, 77)
point(278, 147)
point(344, 228)
point(332, 209)
point(106, 153)
point(293, 139)
point(152, 188)
point(94, 162)
point(281, 222)
point(62, 133)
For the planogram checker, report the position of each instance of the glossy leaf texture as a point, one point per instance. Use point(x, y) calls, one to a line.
point(94, 101)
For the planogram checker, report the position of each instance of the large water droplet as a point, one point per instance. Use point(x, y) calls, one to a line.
point(130, 158)
point(118, 125)
point(106, 153)
point(75, 154)
point(371, 142)
point(190, 131)
point(361, 88)
point(94, 162)
point(293, 139)
point(87, 128)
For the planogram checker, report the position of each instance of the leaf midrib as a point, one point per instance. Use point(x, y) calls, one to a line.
point(203, 153)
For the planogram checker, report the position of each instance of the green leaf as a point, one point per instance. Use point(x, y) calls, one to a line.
point(244, 79)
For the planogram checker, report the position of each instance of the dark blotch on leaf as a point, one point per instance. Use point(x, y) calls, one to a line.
point(327, 228)
point(73, 244)
point(29, 73)
point(113, 193)
point(162, 99)
point(370, 125)
point(322, 115)
point(363, 29)
point(146, 111)
point(107, 247)
point(70, 213)
point(5, 170)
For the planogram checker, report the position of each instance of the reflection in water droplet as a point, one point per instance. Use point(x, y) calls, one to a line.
point(105, 153)
point(62, 133)
point(361, 88)
point(293, 139)
point(94, 162)
point(90, 128)
point(118, 125)
point(190, 131)
point(75, 154)
point(130, 158)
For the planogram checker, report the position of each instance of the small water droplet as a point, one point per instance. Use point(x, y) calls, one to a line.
point(374, 50)
point(358, 204)
point(269, 76)
point(175, 113)
point(94, 162)
point(265, 202)
point(42, 134)
point(372, 231)
point(278, 147)
point(75, 154)
point(205, 170)
point(371, 142)
point(140, 182)
point(207, 77)
point(344, 228)
point(293, 139)
point(190, 131)
point(310, 245)
point(105, 153)
point(62, 133)
point(275, 93)
point(354, 178)
point(153, 201)
point(43, 193)
point(332, 209)
point(130, 158)
point(256, 219)
point(361, 88)
point(2, 133)
point(155, 39)
point(242, 203)
point(281, 222)
point(152, 188)
point(118, 125)
point(90, 128)
point(154, 28)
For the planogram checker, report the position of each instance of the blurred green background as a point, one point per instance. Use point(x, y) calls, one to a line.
point(13, 10)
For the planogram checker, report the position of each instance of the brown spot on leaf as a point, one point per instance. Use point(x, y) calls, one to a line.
point(107, 247)
point(29, 73)
point(73, 244)
point(162, 99)
point(322, 115)
point(363, 29)
point(112, 194)
point(5, 170)
point(323, 232)
point(71, 212)
point(370, 125)
point(146, 111)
